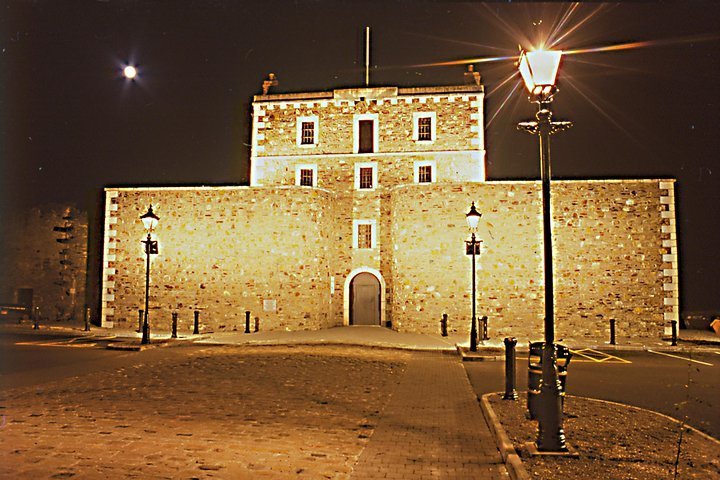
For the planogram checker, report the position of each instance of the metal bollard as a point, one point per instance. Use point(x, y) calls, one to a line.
point(87, 319)
point(485, 330)
point(443, 325)
point(247, 321)
point(140, 320)
point(174, 325)
point(612, 331)
point(257, 324)
point(510, 392)
point(674, 333)
point(196, 330)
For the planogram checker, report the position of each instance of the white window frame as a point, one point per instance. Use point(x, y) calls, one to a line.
point(306, 166)
point(373, 233)
point(356, 131)
point(424, 163)
point(416, 126)
point(316, 132)
point(358, 166)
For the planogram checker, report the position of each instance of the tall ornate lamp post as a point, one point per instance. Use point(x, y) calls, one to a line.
point(539, 69)
point(473, 217)
point(150, 220)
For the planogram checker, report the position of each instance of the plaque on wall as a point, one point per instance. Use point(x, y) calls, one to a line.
point(269, 305)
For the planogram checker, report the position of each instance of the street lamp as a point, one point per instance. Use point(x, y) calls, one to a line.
point(150, 220)
point(539, 69)
point(473, 217)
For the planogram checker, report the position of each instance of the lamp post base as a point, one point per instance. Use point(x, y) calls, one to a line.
point(551, 435)
point(145, 334)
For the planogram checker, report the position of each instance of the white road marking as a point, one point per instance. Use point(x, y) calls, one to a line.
point(681, 358)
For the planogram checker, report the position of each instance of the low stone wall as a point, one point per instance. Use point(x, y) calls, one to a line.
point(223, 251)
point(284, 254)
point(614, 257)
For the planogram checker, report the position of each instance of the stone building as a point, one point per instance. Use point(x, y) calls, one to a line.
point(44, 261)
point(355, 214)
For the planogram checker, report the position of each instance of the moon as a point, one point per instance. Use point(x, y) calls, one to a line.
point(130, 72)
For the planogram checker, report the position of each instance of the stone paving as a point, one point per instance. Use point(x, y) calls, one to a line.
point(253, 412)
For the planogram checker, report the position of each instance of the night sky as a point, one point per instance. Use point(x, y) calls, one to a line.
point(72, 124)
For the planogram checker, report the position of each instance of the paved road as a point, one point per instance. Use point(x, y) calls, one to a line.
point(248, 413)
point(30, 357)
point(652, 381)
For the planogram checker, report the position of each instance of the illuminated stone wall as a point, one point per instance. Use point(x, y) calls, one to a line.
point(227, 250)
point(615, 257)
point(223, 250)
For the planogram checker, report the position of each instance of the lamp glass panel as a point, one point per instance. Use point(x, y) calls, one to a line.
point(543, 65)
point(524, 68)
point(149, 222)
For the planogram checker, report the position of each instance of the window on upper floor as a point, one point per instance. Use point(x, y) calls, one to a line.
point(307, 131)
point(424, 127)
point(364, 234)
point(424, 171)
point(307, 135)
point(306, 175)
point(425, 174)
point(365, 175)
point(365, 133)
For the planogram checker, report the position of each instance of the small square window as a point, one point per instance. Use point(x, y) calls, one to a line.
point(364, 236)
point(425, 129)
point(306, 177)
point(366, 177)
point(308, 133)
point(425, 174)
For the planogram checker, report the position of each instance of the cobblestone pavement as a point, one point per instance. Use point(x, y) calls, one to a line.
point(251, 412)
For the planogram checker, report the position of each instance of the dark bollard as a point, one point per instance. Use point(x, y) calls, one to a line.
point(36, 319)
point(674, 333)
point(140, 320)
point(510, 392)
point(484, 320)
point(257, 324)
point(196, 330)
point(87, 319)
point(443, 325)
point(174, 325)
point(612, 331)
point(247, 321)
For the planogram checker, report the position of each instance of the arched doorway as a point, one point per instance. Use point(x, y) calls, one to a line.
point(365, 299)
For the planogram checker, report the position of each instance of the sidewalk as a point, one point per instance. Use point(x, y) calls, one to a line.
point(379, 337)
point(431, 428)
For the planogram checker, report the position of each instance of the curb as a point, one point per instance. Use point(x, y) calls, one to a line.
point(513, 464)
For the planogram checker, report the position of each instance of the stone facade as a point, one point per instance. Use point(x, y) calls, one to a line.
point(378, 180)
point(45, 253)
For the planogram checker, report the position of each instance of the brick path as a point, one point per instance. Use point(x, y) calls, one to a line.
point(431, 428)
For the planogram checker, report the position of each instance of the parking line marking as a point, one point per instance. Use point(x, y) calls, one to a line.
point(681, 358)
point(57, 344)
point(596, 356)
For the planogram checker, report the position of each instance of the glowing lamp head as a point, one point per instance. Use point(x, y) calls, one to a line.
point(539, 69)
point(130, 72)
point(473, 218)
point(149, 219)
